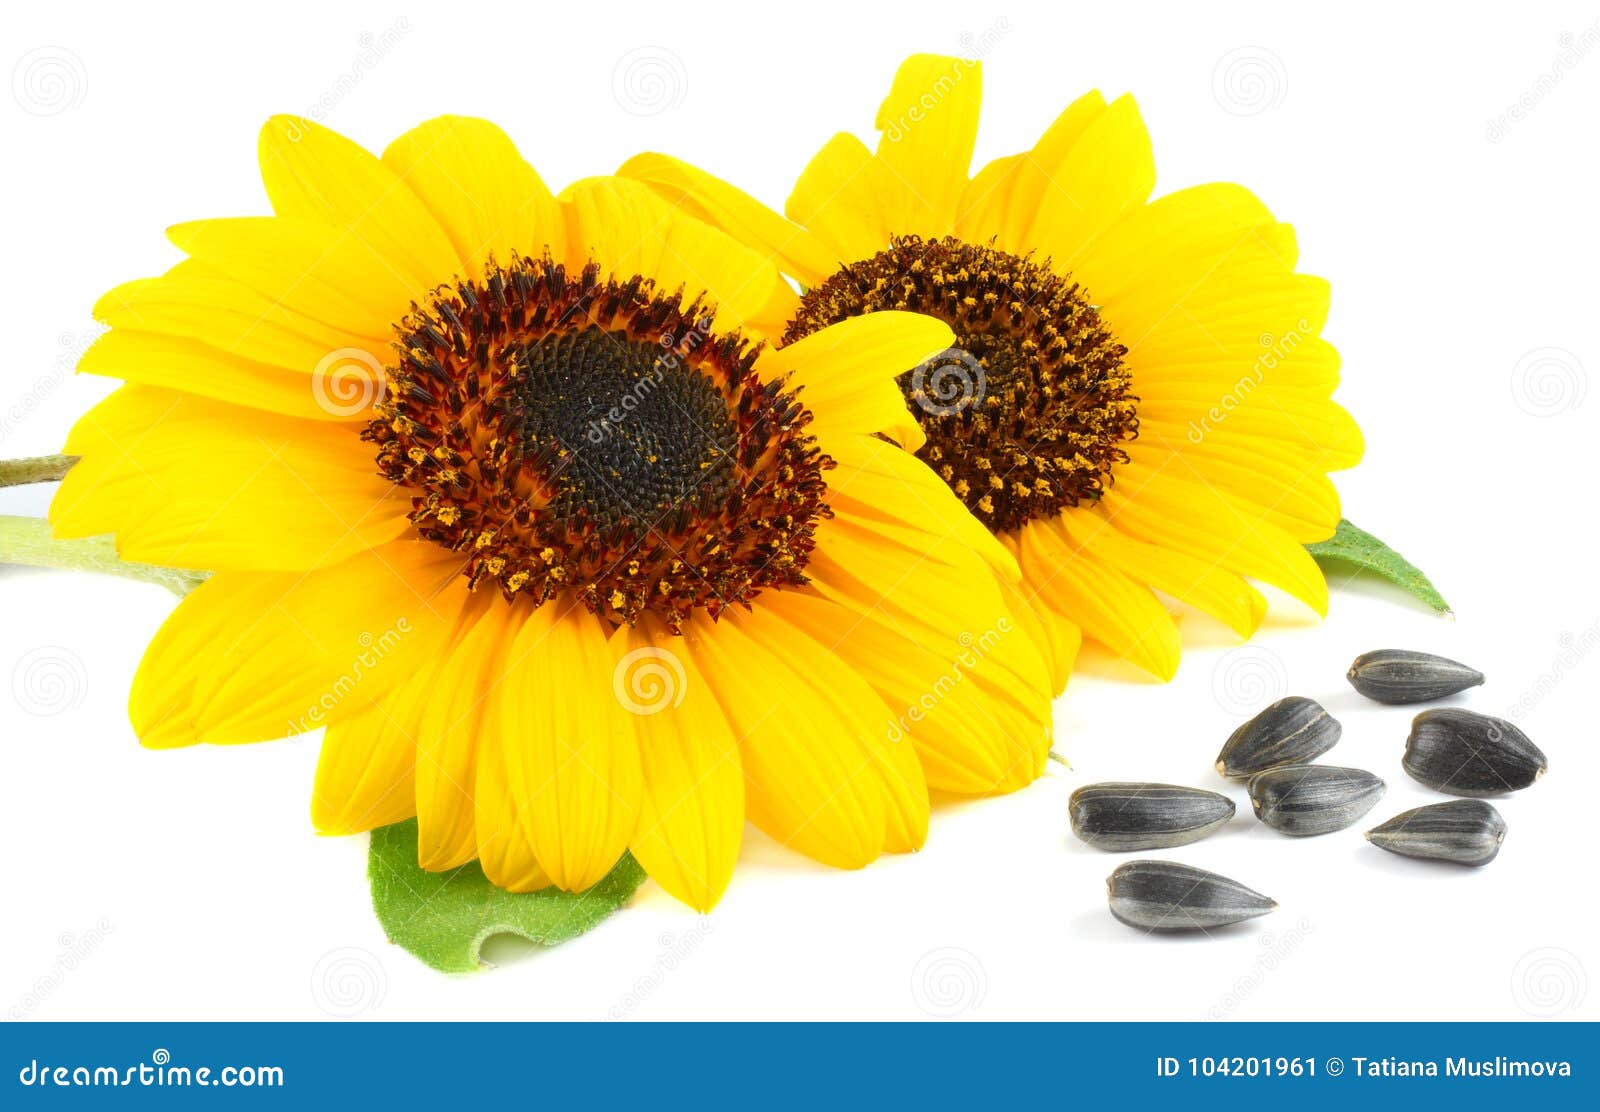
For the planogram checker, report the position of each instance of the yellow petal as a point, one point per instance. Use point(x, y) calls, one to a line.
point(1204, 522)
point(847, 372)
point(197, 484)
point(365, 769)
point(629, 230)
point(567, 751)
point(177, 363)
point(1107, 605)
point(837, 197)
point(1199, 583)
point(316, 174)
point(197, 302)
point(691, 816)
point(972, 736)
point(1001, 200)
point(928, 125)
point(740, 215)
point(488, 200)
point(820, 773)
point(318, 270)
point(1109, 170)
point(249, 656)
point(455, 728)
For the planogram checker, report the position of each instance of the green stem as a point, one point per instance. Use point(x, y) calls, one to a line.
point(27, 541)
point(34, 469)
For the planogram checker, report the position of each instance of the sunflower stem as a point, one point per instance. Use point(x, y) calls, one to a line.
point(34, 469)
point(26, 541)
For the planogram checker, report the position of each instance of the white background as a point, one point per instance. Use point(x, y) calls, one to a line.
point(1462, 253)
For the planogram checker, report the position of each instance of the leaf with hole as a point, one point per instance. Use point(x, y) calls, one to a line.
point(444, 918)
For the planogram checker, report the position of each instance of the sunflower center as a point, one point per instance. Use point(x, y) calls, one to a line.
point(644, 430)
point(1029, 413)
point(569, 434)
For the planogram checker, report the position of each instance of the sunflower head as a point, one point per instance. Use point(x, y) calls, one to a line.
point(1027, 414)
point(568, 432)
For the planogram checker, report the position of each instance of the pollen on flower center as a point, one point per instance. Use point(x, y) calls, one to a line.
point(1029, 413)
point(568, 433)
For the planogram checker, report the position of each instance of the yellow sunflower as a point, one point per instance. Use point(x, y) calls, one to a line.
point(1138, 402)
point(503, 489)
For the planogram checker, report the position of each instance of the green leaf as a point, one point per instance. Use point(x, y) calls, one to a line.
point(1350, 545)
point(444, 918)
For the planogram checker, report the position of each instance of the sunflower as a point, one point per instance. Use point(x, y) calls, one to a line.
point(1137, 404)
point(505, 490)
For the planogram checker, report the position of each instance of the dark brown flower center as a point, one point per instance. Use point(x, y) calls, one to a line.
point(1029, 412)
point(569, 433)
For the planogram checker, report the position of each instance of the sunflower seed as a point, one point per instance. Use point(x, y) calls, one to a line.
point(1466, 753)
point(1291, 731)
point(1467, 831)
point(1166, 896)
point(1124, 817)
point(1402, 676)
point(1313, 799)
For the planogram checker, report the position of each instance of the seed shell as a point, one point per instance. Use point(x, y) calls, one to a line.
point(1401, 676)
point(1466, 753)
point(1125, 816)
point(1293, 730)
point(1167, 896)
point(1313, 799)
point(1466, 831)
